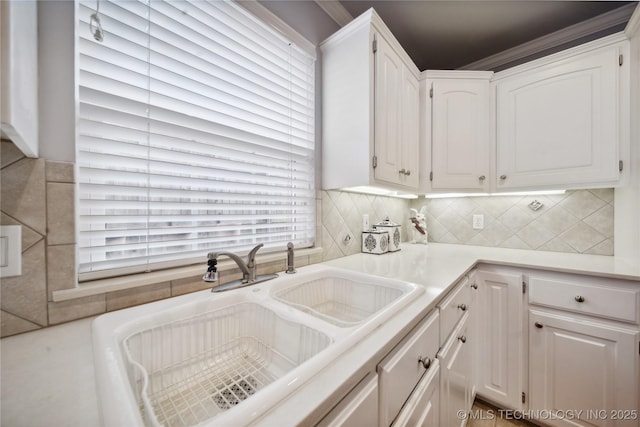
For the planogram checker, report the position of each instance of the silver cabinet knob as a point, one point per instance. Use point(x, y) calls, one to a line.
point(482, 178)
point(579, 298)
point(503, 177)
point(474, 286)
point(402, 171)
point(462, 339)
point(462, 307)
point(425, 362)
point(408, 172)
point(538, 325)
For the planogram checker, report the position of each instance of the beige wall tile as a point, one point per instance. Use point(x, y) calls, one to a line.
point(136, 296)
point(26, 296)
point(60, 213)
point(12, 325)
point(510, 223)
point(188, 285)
point(29, 236)
point(23, 193)
point(66, 311)
point(61, 268)
point(9, 153)
point(60, 172)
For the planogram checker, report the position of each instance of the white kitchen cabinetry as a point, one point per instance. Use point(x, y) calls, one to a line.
point(500, 336)
point(457, 382)
point(460, 125)
point(403, 369)
point(579, 359)
point(19, 74)
point(358, 408)
point(370, 109)
point(456, 358)
point(562, 120)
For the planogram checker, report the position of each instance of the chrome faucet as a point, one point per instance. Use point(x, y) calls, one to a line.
point(248, 269)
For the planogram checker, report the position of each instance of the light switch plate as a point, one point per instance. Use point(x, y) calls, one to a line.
point(10, 250)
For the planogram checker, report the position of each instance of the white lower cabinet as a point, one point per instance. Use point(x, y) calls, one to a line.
point(456, 378)
point(584, 349)
point(423, 407)
point(500, 343)
point(358, 408)
point(584, 371)
point(405, 366)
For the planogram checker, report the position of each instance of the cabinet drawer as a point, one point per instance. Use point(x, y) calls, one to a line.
point(358, 408)
point(453, 307)
point(401, 370)
point(422, 408)
point(613, 299)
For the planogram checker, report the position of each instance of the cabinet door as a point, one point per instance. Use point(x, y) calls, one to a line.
point(460, 140)
point(500, 337)
point(579, 365)
point(387, 112)
point(455, 381)
point(410, 139)
point(558, 125)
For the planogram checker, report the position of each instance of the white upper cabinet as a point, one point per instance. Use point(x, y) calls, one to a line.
point(370, 109)
point(19, 74)
point(460, 125)
point(561, 120)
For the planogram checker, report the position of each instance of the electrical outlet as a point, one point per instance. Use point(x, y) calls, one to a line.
point(478, 221)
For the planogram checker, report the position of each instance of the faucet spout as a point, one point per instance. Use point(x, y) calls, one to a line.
point(248, 269)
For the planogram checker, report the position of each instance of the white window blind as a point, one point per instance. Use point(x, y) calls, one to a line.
point(195, 133)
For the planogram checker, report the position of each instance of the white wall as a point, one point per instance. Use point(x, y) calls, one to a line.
point(56, 59)
point(627, 199)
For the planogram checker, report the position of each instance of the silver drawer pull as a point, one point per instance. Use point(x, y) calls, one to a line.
point(579, 298)
point(462, 339)
point(503, 177)
point(462, 307)
point(474, 286)
point(426, 362)
point(538, 325)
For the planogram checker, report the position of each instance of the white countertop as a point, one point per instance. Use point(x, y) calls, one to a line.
point(47, 376)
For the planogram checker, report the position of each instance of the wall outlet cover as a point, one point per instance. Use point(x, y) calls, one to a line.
point(478, 221)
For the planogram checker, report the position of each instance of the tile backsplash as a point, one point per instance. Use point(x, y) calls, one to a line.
point(341, 216)
point(579, 221)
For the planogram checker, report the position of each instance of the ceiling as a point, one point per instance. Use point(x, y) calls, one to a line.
point(453, 34)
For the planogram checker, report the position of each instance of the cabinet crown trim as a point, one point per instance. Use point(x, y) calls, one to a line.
point(618, 38)
point(456, 74)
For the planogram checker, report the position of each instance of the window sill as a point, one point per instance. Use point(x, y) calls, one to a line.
point(103, 286)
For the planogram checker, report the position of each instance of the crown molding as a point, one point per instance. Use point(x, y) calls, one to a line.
point(566, 35)
point(336, 11)
point(633, 26)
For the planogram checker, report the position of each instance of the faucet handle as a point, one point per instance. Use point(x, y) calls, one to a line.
point(252, 253)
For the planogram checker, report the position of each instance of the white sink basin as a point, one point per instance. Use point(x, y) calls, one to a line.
point(216, 358)
point(342, 301)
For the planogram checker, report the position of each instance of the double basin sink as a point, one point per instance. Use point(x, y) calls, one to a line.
point(220, 358)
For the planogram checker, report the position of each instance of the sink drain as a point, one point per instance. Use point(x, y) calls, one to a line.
point(237, 390)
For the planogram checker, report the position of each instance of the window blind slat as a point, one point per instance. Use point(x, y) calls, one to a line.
point(195, 133)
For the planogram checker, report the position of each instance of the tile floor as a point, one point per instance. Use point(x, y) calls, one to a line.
point(485, 415)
